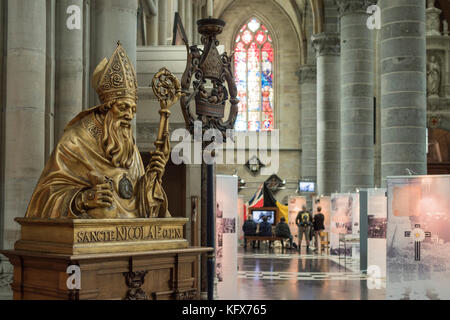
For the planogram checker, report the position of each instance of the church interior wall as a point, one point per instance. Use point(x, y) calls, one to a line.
point(377, 95)
point(287, 94)
point(34, 110)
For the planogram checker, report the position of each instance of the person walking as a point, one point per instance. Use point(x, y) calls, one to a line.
point(318, 228)
point(304, 223)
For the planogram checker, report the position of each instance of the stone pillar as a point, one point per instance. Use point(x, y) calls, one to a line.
point(327, 46)
point(162, 22)
point(112, 21)
point(50, 77)
point(188, 21)
point(309, 31)
point(171, 9)
point(403, 88)
point(25, 108)
point(69, 67)
point(357, 92)
point(209, 8)
point(182, 11)
point(195, 17)
point(152, 28)
point(308, 88)
point(199, 15)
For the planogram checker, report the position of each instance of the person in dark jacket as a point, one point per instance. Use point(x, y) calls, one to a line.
point(318, 228)
point(304, 224)
point(249, 229)
point(265, 230)
point(282, 230)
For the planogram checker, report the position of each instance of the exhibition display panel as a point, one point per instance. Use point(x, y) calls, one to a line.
point(344, 221)
point(226, 236)
point(418, 238)
point(377, 223)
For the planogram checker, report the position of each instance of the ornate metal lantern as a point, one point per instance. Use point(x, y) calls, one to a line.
point(208, 72)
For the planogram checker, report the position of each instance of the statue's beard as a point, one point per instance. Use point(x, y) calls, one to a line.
point(118, 142)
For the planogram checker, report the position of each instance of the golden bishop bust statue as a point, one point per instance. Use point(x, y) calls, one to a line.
point(96, 170)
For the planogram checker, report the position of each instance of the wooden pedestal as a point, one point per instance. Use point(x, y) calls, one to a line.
point(154, 275)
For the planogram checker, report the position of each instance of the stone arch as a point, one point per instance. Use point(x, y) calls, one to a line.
point(287, 59)
point(317, 11)
point(261, 17)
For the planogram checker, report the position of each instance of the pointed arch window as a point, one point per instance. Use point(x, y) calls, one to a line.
point(253, 72)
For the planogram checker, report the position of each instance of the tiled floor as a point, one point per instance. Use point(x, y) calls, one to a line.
point(272, 274)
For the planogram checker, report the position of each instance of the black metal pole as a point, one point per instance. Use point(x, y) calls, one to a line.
point(210, 229)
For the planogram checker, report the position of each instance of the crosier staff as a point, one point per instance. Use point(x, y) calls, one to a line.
point(167, 89)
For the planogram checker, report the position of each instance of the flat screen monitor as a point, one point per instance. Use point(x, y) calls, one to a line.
point(259, 214)
point(307, 186)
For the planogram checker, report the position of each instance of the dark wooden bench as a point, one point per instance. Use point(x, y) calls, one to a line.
point(262, 238)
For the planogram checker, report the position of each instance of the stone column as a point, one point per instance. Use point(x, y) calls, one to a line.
point(25, 108)
point(188, 21)
point(194, 22)
point(209, 8)
point(327, 46)
point(308, 88)
point(50, 77)
point(69, 67)
point(152, 28)
point(357, 92)
point(162, 22)
point(112, 21)
point(171, 9)
point(182, 12)
point(403, 88)
point(199, 15)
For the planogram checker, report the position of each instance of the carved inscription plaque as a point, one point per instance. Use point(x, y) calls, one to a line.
point(130, 233)
point(79, 236)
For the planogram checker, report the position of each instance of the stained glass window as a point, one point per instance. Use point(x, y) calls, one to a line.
point(253, 72)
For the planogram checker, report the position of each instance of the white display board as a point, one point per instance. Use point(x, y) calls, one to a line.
point(377, 224)
point(226, 236)
point(325, 203)
point(294, 207)
point(241, 219)
point(344, 208)
point(418, 238)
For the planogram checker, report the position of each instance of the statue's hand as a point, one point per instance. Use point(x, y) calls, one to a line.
point(100, 196)
point(157, 163)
